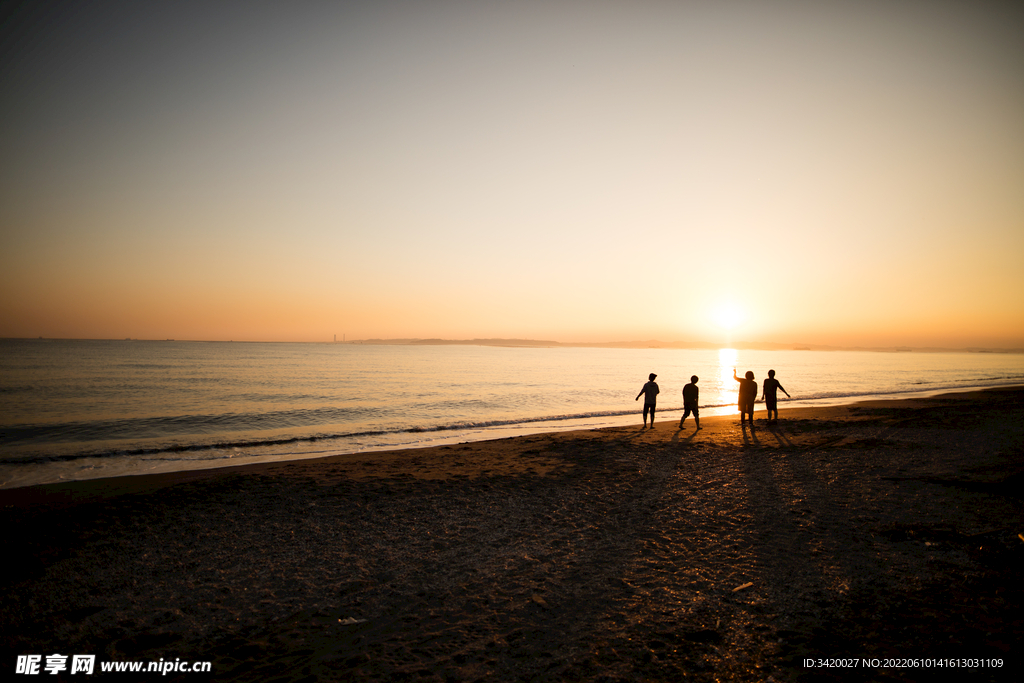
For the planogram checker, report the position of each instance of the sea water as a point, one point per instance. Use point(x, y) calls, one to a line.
point(84, 409)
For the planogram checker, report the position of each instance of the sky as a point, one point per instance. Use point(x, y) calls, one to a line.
point(843, 173)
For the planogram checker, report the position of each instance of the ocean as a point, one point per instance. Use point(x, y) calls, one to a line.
point(73, 410)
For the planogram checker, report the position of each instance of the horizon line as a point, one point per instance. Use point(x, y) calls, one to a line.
point(545, 343)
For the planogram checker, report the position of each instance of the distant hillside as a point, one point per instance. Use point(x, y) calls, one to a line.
point(460, 342)
point(488, 342)
point(656, 344)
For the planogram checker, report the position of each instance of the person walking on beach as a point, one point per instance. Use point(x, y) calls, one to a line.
point(690, 393)
point(650, 394)
point(748, 392)
point(770, 395)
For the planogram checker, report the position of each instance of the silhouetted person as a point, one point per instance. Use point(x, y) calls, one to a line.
point(690, 393)
point(770, 395)
point(650, 394)
point(748, 393)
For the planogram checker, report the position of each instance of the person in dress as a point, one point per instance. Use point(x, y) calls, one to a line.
point(748, 393)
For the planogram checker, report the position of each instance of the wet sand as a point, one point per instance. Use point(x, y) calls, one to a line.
point(880, 530)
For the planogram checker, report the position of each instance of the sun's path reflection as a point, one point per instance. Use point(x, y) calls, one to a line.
point(725, 386)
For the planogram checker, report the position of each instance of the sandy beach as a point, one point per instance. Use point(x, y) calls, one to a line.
point(885, 530)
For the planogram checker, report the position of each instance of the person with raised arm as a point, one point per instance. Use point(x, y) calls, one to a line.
point(748, 393)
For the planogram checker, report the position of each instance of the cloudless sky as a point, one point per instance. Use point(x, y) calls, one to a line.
point(845, 173)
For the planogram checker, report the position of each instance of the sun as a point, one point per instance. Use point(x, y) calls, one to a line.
point(728, 316)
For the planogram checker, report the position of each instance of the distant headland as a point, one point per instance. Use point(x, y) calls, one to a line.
point(656, 344)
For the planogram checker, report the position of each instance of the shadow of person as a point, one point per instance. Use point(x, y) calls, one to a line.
point(751, 439)
point(780, 435)
point(677, 440)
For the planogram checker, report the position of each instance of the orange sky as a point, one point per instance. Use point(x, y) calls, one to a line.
point(558, 170)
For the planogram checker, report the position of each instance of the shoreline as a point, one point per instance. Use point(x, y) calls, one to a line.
point(876, 530)
point(519, 430)
point(135, 483)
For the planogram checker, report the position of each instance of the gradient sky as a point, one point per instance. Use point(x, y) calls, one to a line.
point(846, 173)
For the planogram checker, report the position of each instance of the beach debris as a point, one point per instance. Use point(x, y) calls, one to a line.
point(743, 587)
point(350, 621)
point(986, 532)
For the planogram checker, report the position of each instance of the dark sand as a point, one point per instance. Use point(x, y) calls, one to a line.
point(882, 530)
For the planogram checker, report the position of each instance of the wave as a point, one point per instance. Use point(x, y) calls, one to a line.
point(215, 426)
point(258, 443)
point(174, 425)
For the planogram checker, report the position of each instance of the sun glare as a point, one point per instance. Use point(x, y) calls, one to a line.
point(728, 316)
